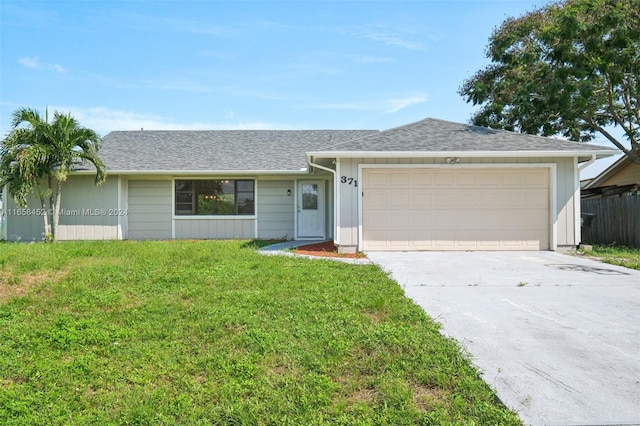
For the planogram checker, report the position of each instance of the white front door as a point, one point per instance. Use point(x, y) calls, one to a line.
point(311, 209)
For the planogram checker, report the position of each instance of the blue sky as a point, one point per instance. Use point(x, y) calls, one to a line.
point(125, 64)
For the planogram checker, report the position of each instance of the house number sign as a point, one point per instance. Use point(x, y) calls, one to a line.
point(349, 181)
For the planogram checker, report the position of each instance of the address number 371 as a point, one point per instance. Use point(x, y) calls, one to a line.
point(348, 180)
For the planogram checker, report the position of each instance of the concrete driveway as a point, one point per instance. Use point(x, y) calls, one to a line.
point(556, 336)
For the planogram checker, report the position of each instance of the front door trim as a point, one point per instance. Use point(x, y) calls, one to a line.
point(310, 221)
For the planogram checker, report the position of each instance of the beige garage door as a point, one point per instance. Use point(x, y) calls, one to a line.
point(455, 209)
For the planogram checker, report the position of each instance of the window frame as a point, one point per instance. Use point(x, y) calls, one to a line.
point(194, 200)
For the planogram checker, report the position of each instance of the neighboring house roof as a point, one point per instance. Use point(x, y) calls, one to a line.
point(220, 150)
point(620, 178)
point(623, 171)
point(438, 136)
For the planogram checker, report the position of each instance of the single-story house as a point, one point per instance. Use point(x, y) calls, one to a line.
point(428, 185)
point(621, 178)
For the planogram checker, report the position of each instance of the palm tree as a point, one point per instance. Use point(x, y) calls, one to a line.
point(36, 152)
point(72, 145)
point(24, 160)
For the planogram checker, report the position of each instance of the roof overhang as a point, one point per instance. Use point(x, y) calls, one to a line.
point(197, 172)
point(582, 155)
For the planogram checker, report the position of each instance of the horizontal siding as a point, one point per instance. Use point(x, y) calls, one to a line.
point(276, 209)
point(91, 212)
point(87, 232)
point(149, 210)
point(628, 175)
point(88, 212)
point(23, 228)
point(215, 229)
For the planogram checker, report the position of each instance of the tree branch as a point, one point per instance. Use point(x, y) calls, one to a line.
point(609, 136)
point(611, 103)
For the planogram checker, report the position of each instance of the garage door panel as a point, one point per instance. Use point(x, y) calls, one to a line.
point(468, 179)
point(420, 198)
point(510, 198)
point(421, 221)
point(419, 179)
point(502, 209)
point(374, 198)
point(399, 199)
point(377, 179)
point(375, 220)
point(488, 220)
point(512, 179)
point(399, 222)
point(467, 198)
point(400, 179)
point(488, 179)
point(537, 178)
point(443, 180)
point(533, 220)
point(443, 199)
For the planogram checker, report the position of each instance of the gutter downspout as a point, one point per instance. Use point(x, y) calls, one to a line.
point(335, 195)
point(577, 203)
point(587, 164)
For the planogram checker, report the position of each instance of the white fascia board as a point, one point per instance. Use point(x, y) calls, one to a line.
point(195, 172)
point(464, 154)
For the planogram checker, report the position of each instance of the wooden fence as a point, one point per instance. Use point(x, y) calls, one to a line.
point(614, 220)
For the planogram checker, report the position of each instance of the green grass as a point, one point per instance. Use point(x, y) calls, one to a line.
point(621, 256)
point(215, 333)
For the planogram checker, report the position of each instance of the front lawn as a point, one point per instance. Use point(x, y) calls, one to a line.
point(621, 256)
point(215, 333)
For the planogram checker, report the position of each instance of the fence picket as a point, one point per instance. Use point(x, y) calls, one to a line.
point(616, 221)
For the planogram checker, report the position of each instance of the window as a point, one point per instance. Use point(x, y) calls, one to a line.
point(215, 197)
point(309, 196)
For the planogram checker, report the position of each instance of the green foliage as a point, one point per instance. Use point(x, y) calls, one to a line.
point(616, 255)
point(37, 151)
point(215, 333)
point(570, 68)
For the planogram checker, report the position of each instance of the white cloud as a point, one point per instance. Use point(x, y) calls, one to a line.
point(386, 105)
point(398, 104)
point(349, 106)
point(369, 59)
point(33, 62)
point(393, 40)
point(104, 120)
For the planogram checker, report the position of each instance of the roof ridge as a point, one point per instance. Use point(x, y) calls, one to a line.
point(379, 132)
point(241, 130)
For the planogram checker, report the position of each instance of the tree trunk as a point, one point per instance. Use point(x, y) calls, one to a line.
point(56, 209)
point(45, 214)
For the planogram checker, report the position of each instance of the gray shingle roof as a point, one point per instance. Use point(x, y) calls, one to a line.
point(433, 135)
point(220, 150)
point(284, 150)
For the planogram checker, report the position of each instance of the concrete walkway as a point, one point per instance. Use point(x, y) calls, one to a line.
point(556, 336)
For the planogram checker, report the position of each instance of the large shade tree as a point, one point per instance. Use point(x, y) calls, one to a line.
point(37, 156)
point(571, 68)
